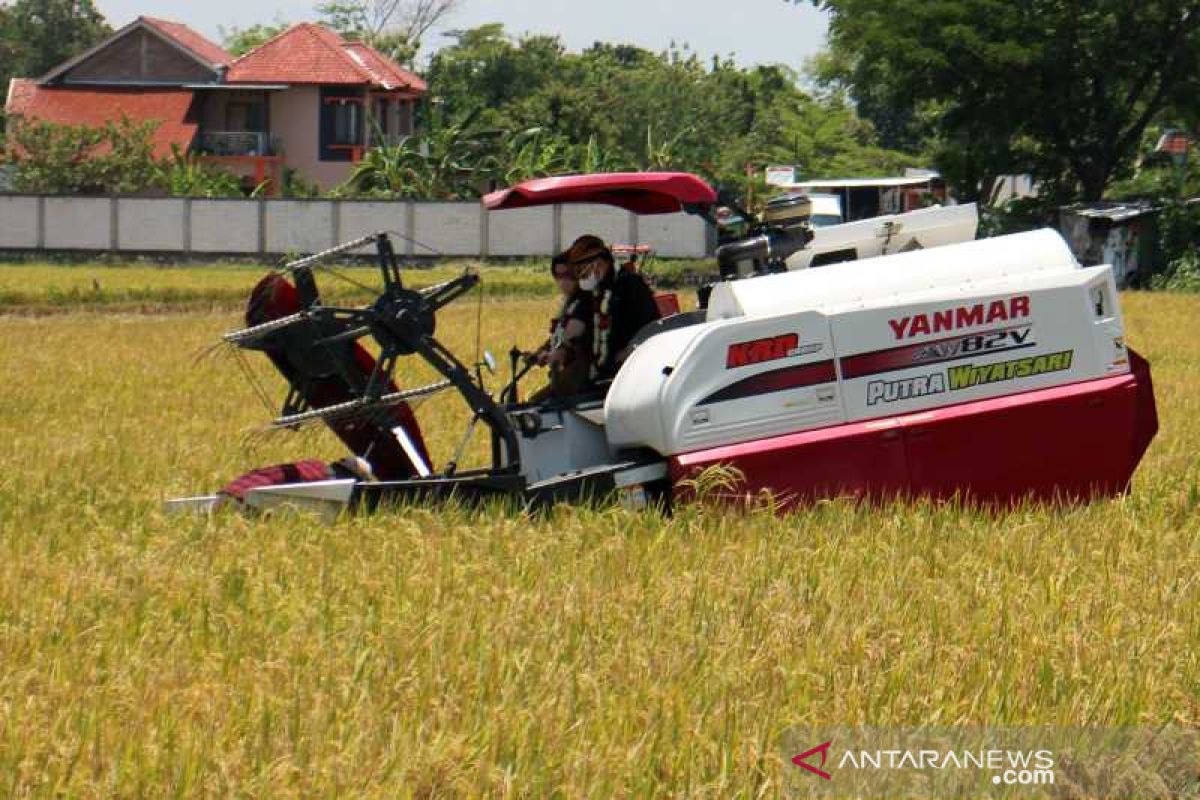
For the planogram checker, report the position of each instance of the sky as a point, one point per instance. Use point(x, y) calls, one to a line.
point(752, 31)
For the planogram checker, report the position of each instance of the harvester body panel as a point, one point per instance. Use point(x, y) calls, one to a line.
point(994, 369)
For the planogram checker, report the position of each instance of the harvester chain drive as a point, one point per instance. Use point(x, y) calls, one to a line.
point(246, 336)
point(356, 406)
point(316, 258)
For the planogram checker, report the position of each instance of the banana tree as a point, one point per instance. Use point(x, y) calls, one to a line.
point(591, 158)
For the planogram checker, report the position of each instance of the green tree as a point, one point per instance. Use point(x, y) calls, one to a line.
point(184, 175)
point(486, 75)
point(618, 106)
point(399, 170)
point(240, 41)
point(1058, 88)
point(40, 34)
point(449, 163)
point(37, 35)
point(394, 27)
point(527, 154)
point(117, 157)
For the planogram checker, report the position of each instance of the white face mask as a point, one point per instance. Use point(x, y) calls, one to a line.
point(589, 283)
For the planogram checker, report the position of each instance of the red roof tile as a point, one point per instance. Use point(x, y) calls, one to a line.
point(387, 73)
point(304, 53)
point(312, 54)
point(191, 40)
point(95, 106)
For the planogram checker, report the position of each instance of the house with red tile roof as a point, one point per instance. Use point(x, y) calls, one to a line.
point(306, 100)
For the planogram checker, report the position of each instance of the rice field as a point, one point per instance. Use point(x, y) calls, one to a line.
point(45, 288)
point(451, 653)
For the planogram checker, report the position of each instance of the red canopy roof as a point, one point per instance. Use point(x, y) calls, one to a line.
point(639, 192)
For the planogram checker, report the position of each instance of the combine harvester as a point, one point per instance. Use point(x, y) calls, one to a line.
point(991, 370)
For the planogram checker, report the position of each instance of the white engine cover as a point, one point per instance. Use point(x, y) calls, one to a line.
point(892, 233)
point(862, 340)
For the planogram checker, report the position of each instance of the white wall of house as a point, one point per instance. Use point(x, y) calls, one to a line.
point(293, 120)
point(296, 120)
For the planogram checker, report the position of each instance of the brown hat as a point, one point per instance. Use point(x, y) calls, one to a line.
point(586, 248)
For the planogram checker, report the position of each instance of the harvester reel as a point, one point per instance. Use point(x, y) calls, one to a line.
point(332, 378)
point(406, 316)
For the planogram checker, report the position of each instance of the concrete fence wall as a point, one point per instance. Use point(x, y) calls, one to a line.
point(275, 227)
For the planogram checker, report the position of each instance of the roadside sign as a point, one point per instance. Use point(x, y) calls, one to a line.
point(781, 175)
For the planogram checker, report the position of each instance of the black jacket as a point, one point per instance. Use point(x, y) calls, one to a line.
point(631, 308)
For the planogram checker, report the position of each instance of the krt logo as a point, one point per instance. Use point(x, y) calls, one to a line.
point(757, 351)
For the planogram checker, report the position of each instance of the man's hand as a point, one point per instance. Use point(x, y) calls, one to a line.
point(556, 356)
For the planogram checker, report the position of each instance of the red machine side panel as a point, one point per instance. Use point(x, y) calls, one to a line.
point(1067, 442)
point(863, 459)
point(1073, 441)
point(1147, 414)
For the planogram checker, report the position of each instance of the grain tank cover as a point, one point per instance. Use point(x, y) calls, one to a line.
point(895, 279)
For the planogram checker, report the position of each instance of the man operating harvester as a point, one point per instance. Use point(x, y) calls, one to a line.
point(622, 303)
